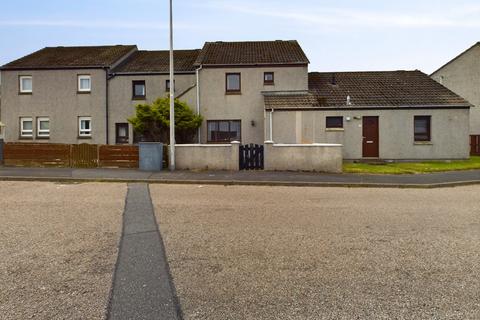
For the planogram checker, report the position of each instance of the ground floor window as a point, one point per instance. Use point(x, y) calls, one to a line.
point(84, 126)
point(224, 130)
point(43, 127)
point(26, 127)
point(334, 122)
point(121, 133)
point(422, 128)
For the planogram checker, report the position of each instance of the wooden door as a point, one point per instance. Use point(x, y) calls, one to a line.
point(370, 137)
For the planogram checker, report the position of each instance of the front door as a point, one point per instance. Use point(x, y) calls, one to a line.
point(370, 137)
point(121, 133)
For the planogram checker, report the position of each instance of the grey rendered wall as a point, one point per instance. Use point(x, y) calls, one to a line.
point(207, 157)
point(55, 96)
point(462, 76)
point(303, 157)
point(450, 135)
point(122, 106)
point(249, 105)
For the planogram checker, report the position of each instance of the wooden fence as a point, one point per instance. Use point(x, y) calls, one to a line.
point(70, 155)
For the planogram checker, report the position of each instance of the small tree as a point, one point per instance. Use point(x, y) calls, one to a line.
point(152, 121)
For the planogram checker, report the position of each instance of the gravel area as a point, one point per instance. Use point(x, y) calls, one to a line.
point(322, 253)
point(58, 247)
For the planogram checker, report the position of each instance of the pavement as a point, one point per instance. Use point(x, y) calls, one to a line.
point(142, 285)
point(443, 179)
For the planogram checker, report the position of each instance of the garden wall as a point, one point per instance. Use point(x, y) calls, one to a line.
point(207, 156)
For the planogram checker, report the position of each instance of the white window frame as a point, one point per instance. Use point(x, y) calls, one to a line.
point(84, 77)
point(22, 90)
point(43, 133)
point(84, 132)
point(24, 133)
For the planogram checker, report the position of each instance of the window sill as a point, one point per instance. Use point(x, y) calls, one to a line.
point(25, 138)
point(84, 137)
point(233, 93)
point(42, 138)
point(25, 93)
point(269, 83)
point(423, 143)
point(84, 92)
point(139, 98)
point(335, 130)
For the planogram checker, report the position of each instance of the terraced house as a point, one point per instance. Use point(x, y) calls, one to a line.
point(246, 91)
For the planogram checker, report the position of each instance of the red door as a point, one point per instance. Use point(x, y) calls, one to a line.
point(370, 137)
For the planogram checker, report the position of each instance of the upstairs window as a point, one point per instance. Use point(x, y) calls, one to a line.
point(167, 85)
point(43, 127)
point(268, 78)
point(334, 122)
point(233, 83)
point(26, 127)
point(223, 130)
point(422, 128)
point(139, 90)
point(84, 126)
point(26, 84)
point(84, 83)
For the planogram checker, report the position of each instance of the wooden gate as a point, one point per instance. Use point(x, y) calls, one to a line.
point(475, 145)
point(251, 157)
point(84, 155)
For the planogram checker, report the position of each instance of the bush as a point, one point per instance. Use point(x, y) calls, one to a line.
point(152, 121)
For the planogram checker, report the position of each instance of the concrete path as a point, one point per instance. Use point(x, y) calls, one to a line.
point(142, 285)
point(442, 179)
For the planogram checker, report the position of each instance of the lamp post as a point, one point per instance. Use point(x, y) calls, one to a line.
point(2, 136)
point(172, 95)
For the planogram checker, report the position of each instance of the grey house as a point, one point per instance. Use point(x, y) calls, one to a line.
point(246, 91)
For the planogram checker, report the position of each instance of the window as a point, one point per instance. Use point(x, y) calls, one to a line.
point(84, 83)
point(26, 84)
point(268, 78)
point(233, 83)
point(26, 127)
point(167, 85)
point(121, 133)
point(84, 126)
point(139, 90)
point(43, 127)
point(334, 122)
point(224, 130)
point(422, 128)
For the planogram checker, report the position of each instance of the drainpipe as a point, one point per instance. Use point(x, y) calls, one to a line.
point(271, 125)
point(107, 79)
point(198, 98)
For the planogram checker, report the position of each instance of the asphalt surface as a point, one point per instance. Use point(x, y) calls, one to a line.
point(244, 177)
point(142, 287)
point(58, 247)
point(243, 252)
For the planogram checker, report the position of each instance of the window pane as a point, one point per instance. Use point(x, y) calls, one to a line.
point(268, 77)
point(26, 84)
point(122, 131)
point(44, 125)
point(212, 128)
point(139, 90)
point(235, 130)
point(84, 84)
point(85, 124)
point(28, 125)
point(334, 122)
point(422, 128)
point(233, 82)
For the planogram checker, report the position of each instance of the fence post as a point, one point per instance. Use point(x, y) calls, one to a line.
point(235, 159)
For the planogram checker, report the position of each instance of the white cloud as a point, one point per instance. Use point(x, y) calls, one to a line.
point(460, 17)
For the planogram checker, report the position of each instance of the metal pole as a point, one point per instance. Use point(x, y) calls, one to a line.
point(172, 95)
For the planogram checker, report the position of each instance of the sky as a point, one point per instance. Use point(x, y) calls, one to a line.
point(341, 35)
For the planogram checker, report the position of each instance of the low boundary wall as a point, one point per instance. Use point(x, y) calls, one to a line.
point(207, 156)
point(303, 157)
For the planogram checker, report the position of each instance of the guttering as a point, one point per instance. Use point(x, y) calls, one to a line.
point(343, 108)
point(107, 79)
point(197, 72)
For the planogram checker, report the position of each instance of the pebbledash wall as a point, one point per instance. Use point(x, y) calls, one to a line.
point(121, 102)
point(63, 111)
point(449, 132)
point(248, 105)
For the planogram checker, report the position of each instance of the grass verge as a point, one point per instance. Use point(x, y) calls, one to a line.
point(412, 167)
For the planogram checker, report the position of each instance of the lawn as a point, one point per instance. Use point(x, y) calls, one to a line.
point(412, 167)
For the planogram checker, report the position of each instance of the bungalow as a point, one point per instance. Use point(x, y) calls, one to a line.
point(245, 91)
